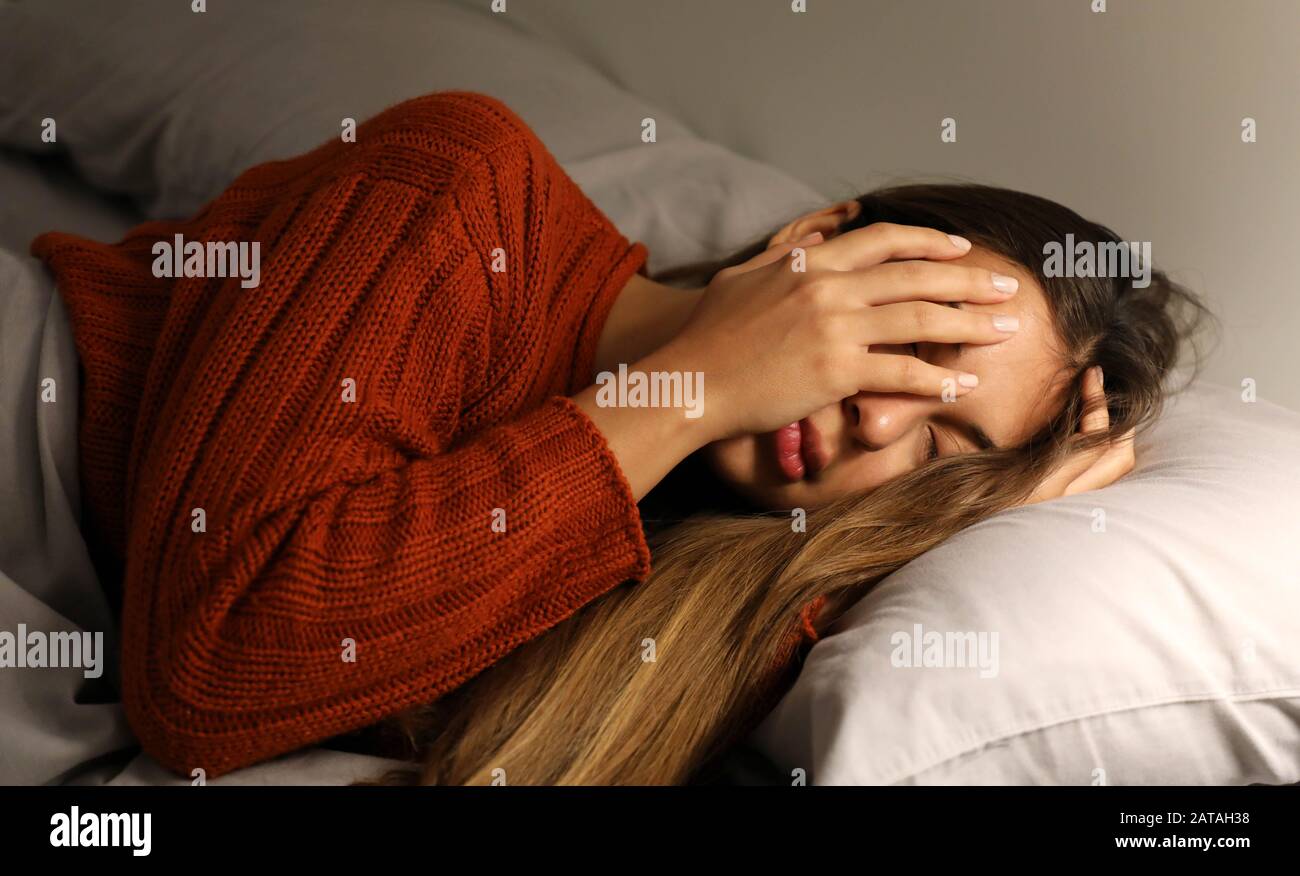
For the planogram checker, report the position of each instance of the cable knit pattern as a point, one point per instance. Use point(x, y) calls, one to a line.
point(329, 520)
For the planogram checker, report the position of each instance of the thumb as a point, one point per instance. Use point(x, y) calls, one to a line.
point(776, 253)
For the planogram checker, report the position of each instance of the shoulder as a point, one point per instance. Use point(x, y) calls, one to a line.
point(456, 126)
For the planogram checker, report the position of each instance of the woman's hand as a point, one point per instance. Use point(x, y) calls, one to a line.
point(1095, 468)
point(776, 343)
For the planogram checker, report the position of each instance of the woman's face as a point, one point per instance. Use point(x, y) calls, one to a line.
point(871, 438)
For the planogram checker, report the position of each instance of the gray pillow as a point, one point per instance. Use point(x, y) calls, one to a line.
point(168, 105)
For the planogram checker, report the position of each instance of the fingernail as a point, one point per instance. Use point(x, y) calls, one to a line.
point(1004, 284)
point(968, 380)
point(1101, 377)
point(960, 242)
point(815, 237)
point(1006, 323)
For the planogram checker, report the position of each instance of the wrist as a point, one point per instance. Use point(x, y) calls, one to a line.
point(647, 442)
point(695, 406)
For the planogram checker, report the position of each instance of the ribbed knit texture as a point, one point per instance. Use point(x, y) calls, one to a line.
point(329, 521)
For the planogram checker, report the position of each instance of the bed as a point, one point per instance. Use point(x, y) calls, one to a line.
point(1158, 649)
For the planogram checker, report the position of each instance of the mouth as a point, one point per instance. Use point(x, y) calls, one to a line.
point(800, 453)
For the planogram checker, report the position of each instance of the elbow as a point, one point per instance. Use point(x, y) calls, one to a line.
point(198, 743)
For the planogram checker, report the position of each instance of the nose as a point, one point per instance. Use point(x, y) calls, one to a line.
point(876, 419)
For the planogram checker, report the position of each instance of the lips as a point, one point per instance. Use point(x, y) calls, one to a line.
point(799, 450)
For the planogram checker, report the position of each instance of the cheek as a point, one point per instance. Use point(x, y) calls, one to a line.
point(733, 460)
point(859, 476)
point(737, 462)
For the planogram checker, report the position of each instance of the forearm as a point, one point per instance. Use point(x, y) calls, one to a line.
point(648, 442)
point(429, 570)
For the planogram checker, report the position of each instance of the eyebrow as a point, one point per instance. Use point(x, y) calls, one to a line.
point(981, 438)
point(972, 433)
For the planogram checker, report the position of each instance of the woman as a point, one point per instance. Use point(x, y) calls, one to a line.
point(348, 491)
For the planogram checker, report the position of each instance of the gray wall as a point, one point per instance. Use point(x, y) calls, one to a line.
point(1132, 117)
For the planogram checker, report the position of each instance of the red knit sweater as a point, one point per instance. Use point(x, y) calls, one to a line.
point(295, 485)
point(347, 565)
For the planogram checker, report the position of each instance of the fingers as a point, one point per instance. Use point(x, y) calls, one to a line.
point(1073, 468)
point(893, 282)
point(773, 254)
point(884, 241)
point(1116, 461)
point(1090, 469)
point(1096, 417)
point(1095, 467)
point(1068, 472)
point(883, 372)
point(918, 321)
point(893, 373)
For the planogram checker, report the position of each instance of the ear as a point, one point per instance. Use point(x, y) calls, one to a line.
point(826, 220)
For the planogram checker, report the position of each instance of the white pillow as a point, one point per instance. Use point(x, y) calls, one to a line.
point(1147, 633)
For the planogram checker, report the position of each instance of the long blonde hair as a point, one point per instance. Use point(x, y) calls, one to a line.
point(652, 682)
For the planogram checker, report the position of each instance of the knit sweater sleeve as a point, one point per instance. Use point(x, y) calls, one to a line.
point(301, 564)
